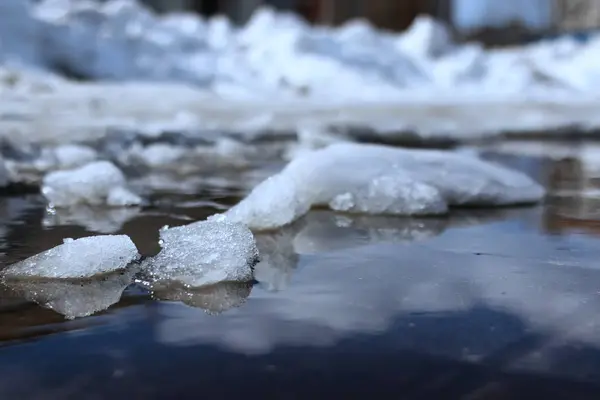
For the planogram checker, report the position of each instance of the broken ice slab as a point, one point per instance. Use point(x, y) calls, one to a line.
point(74, 298)
point(76, 259)
point(375, 179)
point(214, 299)
point(97, 183)
point(204, 253)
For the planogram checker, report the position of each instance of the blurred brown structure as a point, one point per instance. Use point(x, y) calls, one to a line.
point(568, 15)
point(387, 14)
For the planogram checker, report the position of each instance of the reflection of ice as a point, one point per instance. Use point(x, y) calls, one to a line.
point(364, 289)
point(93, 219)
point(74, 298)
point(322, 231)
point(278, 259)
point(215, 299)
point(325, 231)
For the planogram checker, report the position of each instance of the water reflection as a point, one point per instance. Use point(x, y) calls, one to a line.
point(73, 298)
point(214, 299)
point(382, 297)
point(356, 284)
point(413, 290)
point(93, 219)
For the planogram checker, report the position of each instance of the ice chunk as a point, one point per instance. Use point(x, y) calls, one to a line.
point(160, 154)
point(373, 179)
point(76, 259)
point(73, 155)
point(214, 299)
point(97, 183)
point(74, 298)
point(204, 253)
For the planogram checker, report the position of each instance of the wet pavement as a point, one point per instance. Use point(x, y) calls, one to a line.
point(483, 304)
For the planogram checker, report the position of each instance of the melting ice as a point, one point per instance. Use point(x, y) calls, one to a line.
point(372, 179)
point(204, 253)
point(75, 259)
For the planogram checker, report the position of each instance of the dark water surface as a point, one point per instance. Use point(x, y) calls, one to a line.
point(498, 304)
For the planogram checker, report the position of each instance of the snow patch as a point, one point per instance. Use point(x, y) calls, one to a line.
point(97, 183)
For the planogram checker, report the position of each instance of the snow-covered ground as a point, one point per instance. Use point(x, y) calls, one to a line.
point(179, 71)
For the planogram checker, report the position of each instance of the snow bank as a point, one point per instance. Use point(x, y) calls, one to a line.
point(76, 259)
point(97, 183)
point(276, 53)
point(277, 73)
point(375, 179)
point(74, 299)
point(203, 253)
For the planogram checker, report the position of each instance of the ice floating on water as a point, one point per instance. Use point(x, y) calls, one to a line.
point(74, 298)
point(74, 259)
point(204, 253)
point(373, 179)
point(214, 299)
point(97, 183)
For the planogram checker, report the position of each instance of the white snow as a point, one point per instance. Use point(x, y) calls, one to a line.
point(372, 179)
point(74, 299)
point(204, 253)
point(75, 259)
point(97, 183)
point(279, 53)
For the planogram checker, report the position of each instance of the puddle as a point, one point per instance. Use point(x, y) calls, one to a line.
point(483, 304)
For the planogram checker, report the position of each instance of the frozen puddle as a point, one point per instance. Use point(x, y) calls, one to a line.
point(371, 179)
point(77, 259)
point(97, 183)
point(203, 253)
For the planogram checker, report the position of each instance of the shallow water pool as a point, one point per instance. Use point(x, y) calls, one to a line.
point(483, 304)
